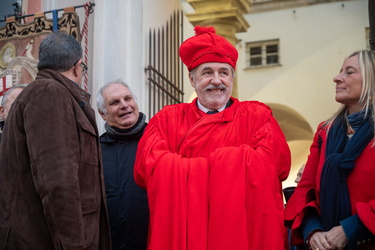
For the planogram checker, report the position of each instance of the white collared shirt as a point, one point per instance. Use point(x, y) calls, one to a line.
point(205, 110)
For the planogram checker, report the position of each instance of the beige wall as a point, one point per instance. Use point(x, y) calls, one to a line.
point(314, 40)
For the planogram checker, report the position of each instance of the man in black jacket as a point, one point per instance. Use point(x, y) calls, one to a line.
point(127, 203)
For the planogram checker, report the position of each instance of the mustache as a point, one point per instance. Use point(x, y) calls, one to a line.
point(213, 86)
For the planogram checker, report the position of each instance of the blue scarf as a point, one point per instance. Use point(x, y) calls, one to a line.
point(341, 154)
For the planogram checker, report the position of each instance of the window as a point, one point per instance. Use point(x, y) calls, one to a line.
point(261, 54)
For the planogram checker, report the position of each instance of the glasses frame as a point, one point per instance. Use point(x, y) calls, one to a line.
point(83, 65)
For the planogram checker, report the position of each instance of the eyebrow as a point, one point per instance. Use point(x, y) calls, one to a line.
point(119, 97)
point(210, 68)
point(349, 67)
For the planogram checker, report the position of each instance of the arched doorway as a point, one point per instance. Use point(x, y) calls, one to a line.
point(298, 134)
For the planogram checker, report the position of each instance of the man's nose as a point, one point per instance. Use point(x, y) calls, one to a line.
point(124, 103)
point(216, 79)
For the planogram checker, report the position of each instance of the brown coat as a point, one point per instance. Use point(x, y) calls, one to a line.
point(52, 193)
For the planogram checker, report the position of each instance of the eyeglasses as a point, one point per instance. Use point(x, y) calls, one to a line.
point(83, 65)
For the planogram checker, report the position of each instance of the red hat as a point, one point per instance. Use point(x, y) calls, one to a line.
point(206, 46)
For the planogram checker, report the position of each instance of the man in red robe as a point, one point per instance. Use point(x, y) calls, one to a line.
point(213, 180)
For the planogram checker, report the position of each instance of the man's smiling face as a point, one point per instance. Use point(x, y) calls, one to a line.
point(213, 83)
point(121, 108)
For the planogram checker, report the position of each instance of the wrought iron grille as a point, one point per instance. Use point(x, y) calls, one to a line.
point(165, 69)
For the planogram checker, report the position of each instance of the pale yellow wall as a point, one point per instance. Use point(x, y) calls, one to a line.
point(314, 40)
point(313, 43)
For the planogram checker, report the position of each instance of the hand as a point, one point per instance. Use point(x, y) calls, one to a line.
point(336, 238)
point(318, 241)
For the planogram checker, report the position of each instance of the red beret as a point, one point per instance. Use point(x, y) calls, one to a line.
point(206, 46)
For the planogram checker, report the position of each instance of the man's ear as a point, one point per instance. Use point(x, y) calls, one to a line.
point(191, 80)
point(77, 68)
point(102, 115)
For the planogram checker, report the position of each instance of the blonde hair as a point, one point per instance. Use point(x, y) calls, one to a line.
point(366, 59)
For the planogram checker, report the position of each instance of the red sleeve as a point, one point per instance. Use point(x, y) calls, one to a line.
point(246, 206)
point(306, 193)
point(167, 175)
point(366, 212)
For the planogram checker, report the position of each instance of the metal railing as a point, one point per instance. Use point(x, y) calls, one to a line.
point(165, 69)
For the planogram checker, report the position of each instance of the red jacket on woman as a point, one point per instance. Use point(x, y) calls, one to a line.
point(361, 185)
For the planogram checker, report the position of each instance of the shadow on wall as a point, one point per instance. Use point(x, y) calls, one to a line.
point(294, 125)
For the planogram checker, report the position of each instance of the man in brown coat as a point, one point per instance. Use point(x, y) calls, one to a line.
point(52, 194)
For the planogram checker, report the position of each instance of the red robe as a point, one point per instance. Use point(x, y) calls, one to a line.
point(214, 181)
point(361, 186)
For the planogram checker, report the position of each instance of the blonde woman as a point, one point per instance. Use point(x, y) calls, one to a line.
point(333, 206)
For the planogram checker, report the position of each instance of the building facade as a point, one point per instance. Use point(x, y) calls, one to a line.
point(289, 51)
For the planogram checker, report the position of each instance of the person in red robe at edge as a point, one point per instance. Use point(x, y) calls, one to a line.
point(213, 180)
point(333, 206)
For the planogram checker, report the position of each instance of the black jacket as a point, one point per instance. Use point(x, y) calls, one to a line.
point(1, 127)
point(127, 202)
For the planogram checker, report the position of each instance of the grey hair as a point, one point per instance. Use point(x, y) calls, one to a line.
point(59, 51)
point(5, 96)
point(100, 99)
